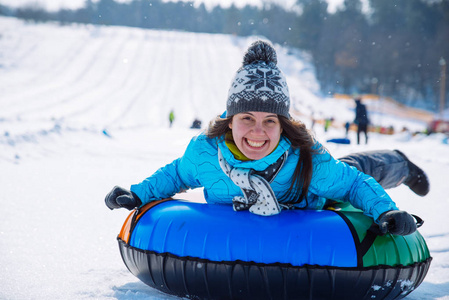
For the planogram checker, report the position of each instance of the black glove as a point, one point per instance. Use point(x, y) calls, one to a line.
point(119, 197)
point(396, 222)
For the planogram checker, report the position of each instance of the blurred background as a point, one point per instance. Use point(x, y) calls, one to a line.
point(396, 50)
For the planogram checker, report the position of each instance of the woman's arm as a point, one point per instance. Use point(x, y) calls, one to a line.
point(336, 180)
point(178, 176)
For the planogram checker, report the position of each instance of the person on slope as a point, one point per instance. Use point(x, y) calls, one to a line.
point(171, 117)
point(361, 119)
point(256, 157)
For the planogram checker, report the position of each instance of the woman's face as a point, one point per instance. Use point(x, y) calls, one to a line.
point(256, 134)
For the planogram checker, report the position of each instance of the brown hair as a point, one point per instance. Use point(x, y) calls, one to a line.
point(300, 138)
point(218, 127)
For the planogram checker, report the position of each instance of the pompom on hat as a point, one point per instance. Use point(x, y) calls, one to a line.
point(259, 85)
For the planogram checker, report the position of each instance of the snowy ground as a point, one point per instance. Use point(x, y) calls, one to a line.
point(84, 108)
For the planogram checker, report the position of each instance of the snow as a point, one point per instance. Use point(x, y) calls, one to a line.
point(84, 108)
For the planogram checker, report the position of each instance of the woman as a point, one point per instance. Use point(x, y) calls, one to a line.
point(256, 157)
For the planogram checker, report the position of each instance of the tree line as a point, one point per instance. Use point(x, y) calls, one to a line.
point(395, 49)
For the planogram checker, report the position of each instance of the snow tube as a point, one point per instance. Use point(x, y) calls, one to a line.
point(344, 141)
point(202, 251)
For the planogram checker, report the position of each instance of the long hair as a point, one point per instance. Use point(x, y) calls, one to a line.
point(300, 138)
point(218, 127)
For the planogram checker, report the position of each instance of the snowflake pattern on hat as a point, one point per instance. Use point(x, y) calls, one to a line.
point(259, 87)
point(261, 78)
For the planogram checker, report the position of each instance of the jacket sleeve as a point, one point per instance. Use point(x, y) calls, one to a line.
point(175, 177)
point(333, 179)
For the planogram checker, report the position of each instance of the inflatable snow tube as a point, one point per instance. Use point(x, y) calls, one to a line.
point(202, 251)
point(343, 141)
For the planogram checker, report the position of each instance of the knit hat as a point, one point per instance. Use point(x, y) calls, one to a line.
point(259, 85)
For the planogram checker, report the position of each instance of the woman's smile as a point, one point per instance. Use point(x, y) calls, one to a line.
point(255, 144)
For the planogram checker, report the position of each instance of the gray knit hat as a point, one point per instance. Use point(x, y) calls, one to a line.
point(259, 85)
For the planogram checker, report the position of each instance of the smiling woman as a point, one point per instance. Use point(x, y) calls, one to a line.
point(256, 158)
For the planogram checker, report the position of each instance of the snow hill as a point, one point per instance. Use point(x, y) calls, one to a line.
point(84, 108)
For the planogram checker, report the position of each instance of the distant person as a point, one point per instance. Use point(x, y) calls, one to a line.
point(327, 124)
point(313, 121)
point(196, 124)
point(347, 125)
point(171, 117)
point(390, 129)
point(361, 120)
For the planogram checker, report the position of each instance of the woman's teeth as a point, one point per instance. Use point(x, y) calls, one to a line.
point(255, 144)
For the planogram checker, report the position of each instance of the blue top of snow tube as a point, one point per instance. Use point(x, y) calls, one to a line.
point(217, 233)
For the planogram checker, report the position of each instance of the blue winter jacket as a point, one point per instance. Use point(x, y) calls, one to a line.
point(199, 167)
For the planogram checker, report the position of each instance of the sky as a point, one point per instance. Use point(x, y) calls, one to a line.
point(85, 108)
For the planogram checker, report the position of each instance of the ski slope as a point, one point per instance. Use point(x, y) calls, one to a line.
point(84, 108)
